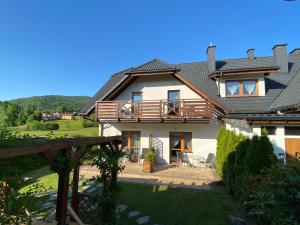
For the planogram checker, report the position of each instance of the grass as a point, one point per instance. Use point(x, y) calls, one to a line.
point(44, 177)
point(176, 206)
point(164, 205)
point(71, 128)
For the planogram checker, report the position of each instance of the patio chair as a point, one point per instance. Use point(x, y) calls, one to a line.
point(210, 161)
point(178, 158)
point(199, 161)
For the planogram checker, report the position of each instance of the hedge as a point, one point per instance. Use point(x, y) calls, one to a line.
point(40, 125)
point(263, 185)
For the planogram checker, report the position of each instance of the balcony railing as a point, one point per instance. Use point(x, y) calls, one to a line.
point(181, 110)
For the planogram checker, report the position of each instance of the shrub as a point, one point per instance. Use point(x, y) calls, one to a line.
point(226, 143)
point(150, 156)
point(40, 125)
point(228, 171)
point(260, 155)
point(274, 195)
point(87, 123)
point(240, 175)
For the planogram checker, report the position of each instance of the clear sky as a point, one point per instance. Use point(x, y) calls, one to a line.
point(72, 47)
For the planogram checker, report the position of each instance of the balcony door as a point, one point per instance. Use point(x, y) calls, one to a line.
point(173, 105)
point(132, 140)
point(136, 98)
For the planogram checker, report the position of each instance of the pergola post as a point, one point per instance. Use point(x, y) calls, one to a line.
point(62, 194)
point(75, 200)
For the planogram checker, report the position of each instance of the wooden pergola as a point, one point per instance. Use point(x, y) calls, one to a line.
point(74, 149)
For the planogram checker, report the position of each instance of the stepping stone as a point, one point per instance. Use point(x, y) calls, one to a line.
point(99, 185)
point(133, 213)
point(237, 220)
point(121, 208)
point(91, 190)
point(143, 220)
point(48, 205)
point(53, 197)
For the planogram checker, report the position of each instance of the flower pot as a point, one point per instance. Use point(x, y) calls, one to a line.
point(148, 166)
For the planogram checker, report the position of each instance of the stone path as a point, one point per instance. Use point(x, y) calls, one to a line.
point(121, 208)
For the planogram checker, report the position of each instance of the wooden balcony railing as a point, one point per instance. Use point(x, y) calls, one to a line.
point(181, 110)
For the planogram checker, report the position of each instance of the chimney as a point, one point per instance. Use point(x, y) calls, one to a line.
point(280, 58)
point(211, 58)
point(250, 53)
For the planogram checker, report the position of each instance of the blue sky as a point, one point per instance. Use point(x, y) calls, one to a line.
point(72, 47)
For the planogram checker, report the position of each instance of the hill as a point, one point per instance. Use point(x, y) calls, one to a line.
point(51, 103)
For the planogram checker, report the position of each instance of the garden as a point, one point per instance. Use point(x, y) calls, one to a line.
point(27, 180)
point(267, 188)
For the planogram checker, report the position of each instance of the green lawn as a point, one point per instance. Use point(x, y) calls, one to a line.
point(43, 176)
point(71, 128)
point(176, 206)
point(164, 205)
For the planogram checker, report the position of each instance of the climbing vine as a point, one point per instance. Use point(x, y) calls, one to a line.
point(109, 164)
point(16, 207)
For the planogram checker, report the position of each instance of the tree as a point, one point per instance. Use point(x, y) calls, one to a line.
point(12, 112)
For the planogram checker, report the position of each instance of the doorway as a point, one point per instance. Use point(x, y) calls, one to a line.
point(180, 142)
point(132, 140)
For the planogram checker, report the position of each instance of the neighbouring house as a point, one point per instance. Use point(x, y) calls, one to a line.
point(180, 107)
point(50, 116)
point(67, 116)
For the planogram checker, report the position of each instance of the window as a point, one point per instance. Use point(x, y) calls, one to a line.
point(173, 95)
point(173, 106)
point(270, 129)
point(241, 88)
point(137, 96)
point(181, 141)
point(131, 140)
point(292, 131)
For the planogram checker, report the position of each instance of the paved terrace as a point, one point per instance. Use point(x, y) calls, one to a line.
point(188, 177)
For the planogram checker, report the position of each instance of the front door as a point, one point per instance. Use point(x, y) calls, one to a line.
point(131, 140)
point(180, 142)
point(292, 148)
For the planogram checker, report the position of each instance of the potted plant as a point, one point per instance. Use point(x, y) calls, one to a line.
point(149, 159)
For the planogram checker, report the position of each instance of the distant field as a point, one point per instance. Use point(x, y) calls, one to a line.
point(67, 127)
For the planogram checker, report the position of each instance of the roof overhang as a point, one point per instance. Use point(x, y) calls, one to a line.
point(273, 118)
point(151, 73)
point(220, 73)
point(132, 77)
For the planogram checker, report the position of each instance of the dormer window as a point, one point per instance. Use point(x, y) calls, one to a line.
point(241, 88)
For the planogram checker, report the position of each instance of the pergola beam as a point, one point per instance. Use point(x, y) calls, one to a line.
point(48, 151)
point(54, 145)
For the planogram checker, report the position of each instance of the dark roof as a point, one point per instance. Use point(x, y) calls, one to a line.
point(260, 63)
point(272, 117)
point(282, 90)
point(290, 96)
point(155, 65)
point(109, 85)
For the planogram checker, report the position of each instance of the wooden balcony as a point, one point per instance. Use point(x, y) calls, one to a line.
point(182, 110)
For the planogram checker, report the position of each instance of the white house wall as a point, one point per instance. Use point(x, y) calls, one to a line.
point(156, 88)
point(203, 136)
point(277, 140)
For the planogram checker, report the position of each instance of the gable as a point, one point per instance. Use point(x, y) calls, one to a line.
point(156, 88)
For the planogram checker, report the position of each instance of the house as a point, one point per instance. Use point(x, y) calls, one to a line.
point(50, 116)
point(67, 116)
point(180, 107)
